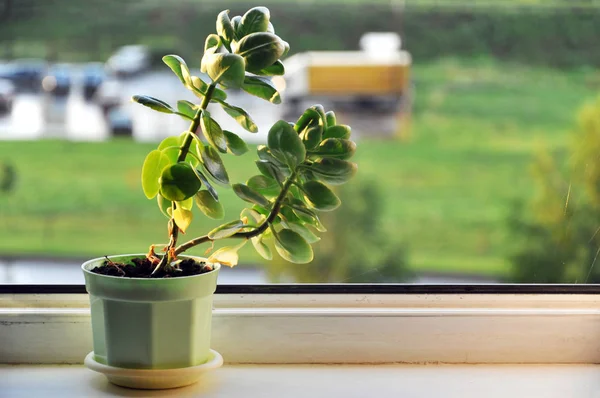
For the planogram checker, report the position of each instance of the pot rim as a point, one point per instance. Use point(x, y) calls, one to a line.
point(216, 268)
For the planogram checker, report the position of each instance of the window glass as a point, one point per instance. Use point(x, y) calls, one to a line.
point(478, 132)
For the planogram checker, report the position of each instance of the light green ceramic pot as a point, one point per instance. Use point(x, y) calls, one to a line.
point(140, 323)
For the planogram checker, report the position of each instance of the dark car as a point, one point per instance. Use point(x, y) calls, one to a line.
point(27, 74)
point(58, 80)
point(93, 76)
point(7, 95)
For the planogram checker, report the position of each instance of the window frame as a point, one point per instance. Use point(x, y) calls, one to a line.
point(347, 324)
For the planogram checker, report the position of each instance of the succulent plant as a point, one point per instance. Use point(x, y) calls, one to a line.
point(295, 168)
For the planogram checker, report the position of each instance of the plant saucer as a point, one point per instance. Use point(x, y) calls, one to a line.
point(154, 379)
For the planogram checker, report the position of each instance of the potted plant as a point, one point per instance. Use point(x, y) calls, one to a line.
point(151, 313)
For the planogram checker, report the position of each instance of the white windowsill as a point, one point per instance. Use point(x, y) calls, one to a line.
point(301, 381)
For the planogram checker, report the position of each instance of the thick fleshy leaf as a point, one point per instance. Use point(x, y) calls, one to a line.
point(330, 118)
point(260, 50)
point(251, 214)
point(303, 231)
point(262, 248)
point(169, 142)
point(225, 27)
point(264, 153)
point(186, 204)
point(226, 230)
point(214, 165)
point(164, 205)
point(178, 182)
point(207, 184)
point(311, 136)
point(152, 168)
point(235, 144)
point(333, 171)
point(200, 88)
point(236, 22)
point(248, 194)
point(254, 20)
point(340, 131)
point(268, 169)
point(319, 197)
point(261, 87)
point(277, 69)
point(264, 185)
point(306, 215)
point(337, 148)
point(286, 145)
point(310, 117)
point(183, 218)
point(211, 45)
point(179, 67)
point(186, 108)
point(153, 103)
point(209, 206)
point(240, 116)
point(227, 255)
point(225, 68)
point(213, 132)
point(292, 247)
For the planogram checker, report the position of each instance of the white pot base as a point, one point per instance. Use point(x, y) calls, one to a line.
point(154, 379)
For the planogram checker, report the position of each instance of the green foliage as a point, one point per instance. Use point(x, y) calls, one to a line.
point(558, 230)
point(288, 187)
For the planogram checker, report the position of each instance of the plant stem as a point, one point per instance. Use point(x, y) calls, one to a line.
point(248, 234)
point(183, 151)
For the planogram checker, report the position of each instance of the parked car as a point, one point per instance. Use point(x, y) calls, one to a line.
point(93, 76)
point(119, 123)
point(58, 80)
point(108, 95)
point(129, 60)
point(7, 95)
point(27, 74)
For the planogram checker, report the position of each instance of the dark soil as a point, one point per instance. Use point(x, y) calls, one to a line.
point(143, 267)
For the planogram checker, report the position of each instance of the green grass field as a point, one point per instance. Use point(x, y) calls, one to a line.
point(476, 127)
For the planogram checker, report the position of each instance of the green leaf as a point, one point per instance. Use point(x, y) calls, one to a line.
point(337, 148)
point(186, 204)
point(207, 184)
point(252, 214)
point(268, 169)
point(261, 87)
point(248, 194)
point(254, 20)
point(292, 247)
point(226, 230)
point(330, 118)
point(333, 171)
point(277, 69)
point(224, 27)
point(183, 218)
point(318, 196)
point(310, 117)
point(311, 136)
point(306, 215)
point(340, 131)
point(153, 103)
point(152, 168)
point(303, 231)
point(261, 248)
point(209, 205)
point(226, 69)
point(236, 22)
point(178, 182)
point(170, 142)
point(265, 154)
point(264, 185)
point(211, 45)
point(260, 50)
point(235, 144)
point(240, 116)
point(200, 88)
point(186, 108)
point(213, 133)
point(285, 144)
point(179, 67)
point(164, 205)
point(214, 165)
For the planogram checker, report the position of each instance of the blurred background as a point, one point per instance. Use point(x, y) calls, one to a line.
point(477, 122)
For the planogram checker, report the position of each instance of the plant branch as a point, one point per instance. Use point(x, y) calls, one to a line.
point(247, 234)
point(183, 151)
